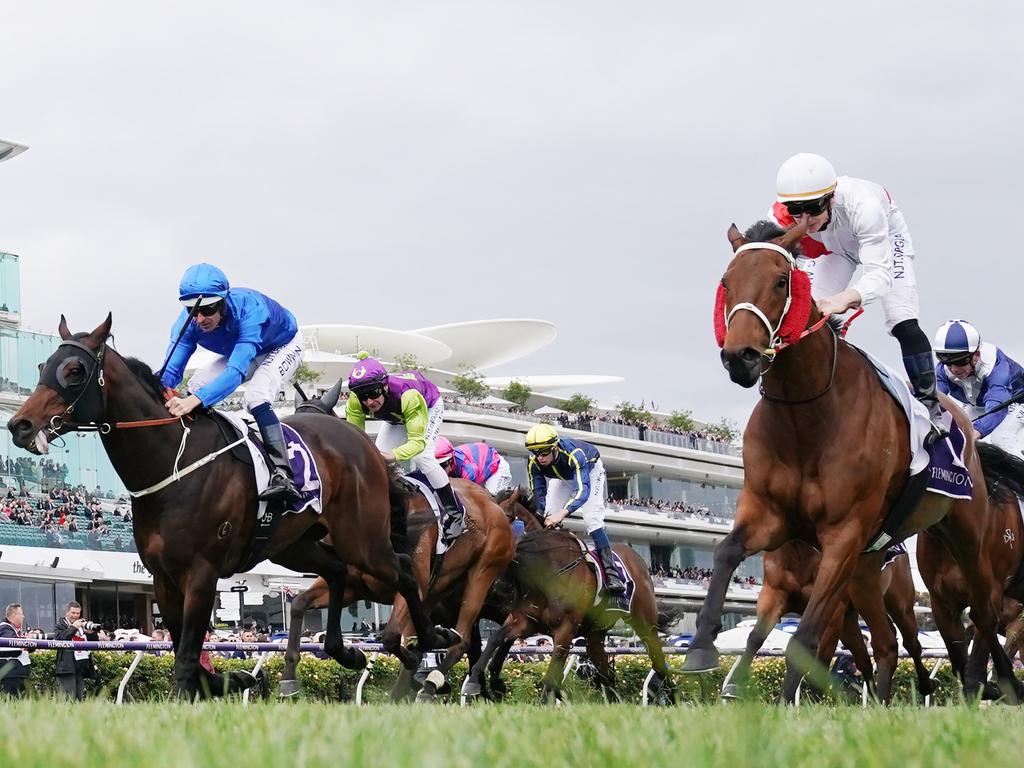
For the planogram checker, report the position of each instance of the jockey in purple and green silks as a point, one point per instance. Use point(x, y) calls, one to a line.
point(412, 411)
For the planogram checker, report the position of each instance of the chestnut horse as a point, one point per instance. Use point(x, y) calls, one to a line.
point(789, 573)
point(554, 591)
point(461, 582)
point(1003, 548)
point(826, 455)
point(195, 509)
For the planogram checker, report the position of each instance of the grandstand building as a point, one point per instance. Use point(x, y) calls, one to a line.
point(65, 522)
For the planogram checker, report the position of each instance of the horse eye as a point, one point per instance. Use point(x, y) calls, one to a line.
point(782, 282)
point(74, 373)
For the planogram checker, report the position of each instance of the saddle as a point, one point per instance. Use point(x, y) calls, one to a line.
point(417, 482)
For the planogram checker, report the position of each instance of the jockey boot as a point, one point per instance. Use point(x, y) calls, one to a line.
point(614, 589)
point(282, 486)
point(921, 370)
point(452, 519)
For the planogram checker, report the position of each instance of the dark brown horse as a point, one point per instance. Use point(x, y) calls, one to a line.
point(826, 456)
point(460, 581)
point(555, 592)
point(1003, 549)
point(193, 527)
point(789, 573)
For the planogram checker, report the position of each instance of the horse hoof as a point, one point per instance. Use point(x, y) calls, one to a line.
point(990, 691)
point(926, 687)
point(700, 660)
point(242, 680)
point(732, 692)
point(353, 659)
point(446, 638)
point(471, 690)
point(288, 689)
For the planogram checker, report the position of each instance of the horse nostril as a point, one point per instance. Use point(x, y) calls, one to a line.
point(19, 426)
point(750, 356)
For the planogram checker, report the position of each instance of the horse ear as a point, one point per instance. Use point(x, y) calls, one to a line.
point(330, 398)
point(793, 236)
point(101, 332)
point(736, 239)
point(63, 330)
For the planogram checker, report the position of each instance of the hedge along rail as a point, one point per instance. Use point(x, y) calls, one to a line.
point(376, 649)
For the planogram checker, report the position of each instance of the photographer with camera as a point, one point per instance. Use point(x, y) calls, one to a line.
point(73, 666)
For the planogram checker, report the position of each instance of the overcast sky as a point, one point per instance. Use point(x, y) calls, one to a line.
point(412, 163)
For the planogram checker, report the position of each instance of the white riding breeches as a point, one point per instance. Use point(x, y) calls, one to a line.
point(268, 374)
point(392, 436)
point(833, 273)
point(501, 479)
point(592, 511)
point(1009, 435)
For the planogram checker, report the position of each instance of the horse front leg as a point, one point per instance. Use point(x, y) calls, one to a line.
point(172, 608)
point(838, 560)
point(315, 596)
point(515, 626)
point(866, 594)
point(770, 604)
point(551, 687)
point(757, 528)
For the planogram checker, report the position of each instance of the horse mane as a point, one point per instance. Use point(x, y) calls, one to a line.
point(1004, 472)
point(765, 231)
point(145, 376)
point(527, 499)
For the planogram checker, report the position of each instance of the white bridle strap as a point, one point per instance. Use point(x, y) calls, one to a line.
point(772, 332)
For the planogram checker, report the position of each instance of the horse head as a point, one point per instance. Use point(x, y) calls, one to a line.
point(70, 389)
point(763, 280)
point(520, 504)
point(324, 404)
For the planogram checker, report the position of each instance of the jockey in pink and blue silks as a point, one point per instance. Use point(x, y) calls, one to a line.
point(412, 411)
point(477, 462)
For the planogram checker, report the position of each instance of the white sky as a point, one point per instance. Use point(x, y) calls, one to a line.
point(406, 164)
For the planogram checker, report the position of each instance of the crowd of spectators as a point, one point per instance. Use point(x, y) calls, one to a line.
point(698, 575)
point(677, 510)
point(584, 422)
point(62, 512)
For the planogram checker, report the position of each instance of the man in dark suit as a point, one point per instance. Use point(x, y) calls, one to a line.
point(72, 666)
point(15, 664)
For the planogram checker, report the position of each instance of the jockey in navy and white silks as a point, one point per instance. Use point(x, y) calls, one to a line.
point(567, 476)
point(258, 342)
point(981, 376)
point(855, 223)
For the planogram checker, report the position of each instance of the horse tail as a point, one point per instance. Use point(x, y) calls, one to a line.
point(1004, 472)
point(398, 494)
point(667, 616)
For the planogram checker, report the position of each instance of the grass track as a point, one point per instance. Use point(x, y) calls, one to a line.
point(47, 733)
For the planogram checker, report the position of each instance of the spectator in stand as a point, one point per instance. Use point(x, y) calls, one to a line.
point(15, 664)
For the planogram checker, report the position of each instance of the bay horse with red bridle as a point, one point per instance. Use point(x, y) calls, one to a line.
point(826, 456)
point(194, 508)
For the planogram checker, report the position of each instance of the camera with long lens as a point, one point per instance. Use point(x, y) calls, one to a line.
point(90, 626)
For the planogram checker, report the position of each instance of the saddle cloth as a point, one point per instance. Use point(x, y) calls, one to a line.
point(418, 481)
point(945, 458)
point(304, 470)
point(594, 561)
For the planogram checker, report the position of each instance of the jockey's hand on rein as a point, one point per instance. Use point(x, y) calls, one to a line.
point(388, 457)
point(182, 406)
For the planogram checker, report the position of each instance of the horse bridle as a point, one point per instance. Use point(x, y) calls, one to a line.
point(91, 397)
point(774, 342)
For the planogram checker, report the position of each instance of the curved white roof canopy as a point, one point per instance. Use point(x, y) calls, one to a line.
point(551, 382)
point(9, 149)
point(384, 343)
point(488, 343)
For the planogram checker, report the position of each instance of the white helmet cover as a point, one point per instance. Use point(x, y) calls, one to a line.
point(805, 177)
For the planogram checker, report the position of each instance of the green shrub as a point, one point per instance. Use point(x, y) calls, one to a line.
point(327, 681)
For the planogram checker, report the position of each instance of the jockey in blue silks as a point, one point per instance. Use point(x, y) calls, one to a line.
point(258, 342)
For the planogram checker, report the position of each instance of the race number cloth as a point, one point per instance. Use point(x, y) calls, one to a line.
point(304, 471)
point(944, 460)
point(419, 481)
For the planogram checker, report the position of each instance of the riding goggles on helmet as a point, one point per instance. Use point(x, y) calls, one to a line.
point(810, 207)
point(955, 358)
point(370, 393)
point(541, 450)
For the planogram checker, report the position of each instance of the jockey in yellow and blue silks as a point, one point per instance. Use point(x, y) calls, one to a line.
point(412, 411)
point(258, 342)
point(567, 476)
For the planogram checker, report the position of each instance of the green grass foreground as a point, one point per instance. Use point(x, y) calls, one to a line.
point(43, 732)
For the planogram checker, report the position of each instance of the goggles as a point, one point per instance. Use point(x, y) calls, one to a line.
point(817, 207)
point(210, 309)
point(955, 358)
point(371, 393)
point(544, 450)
